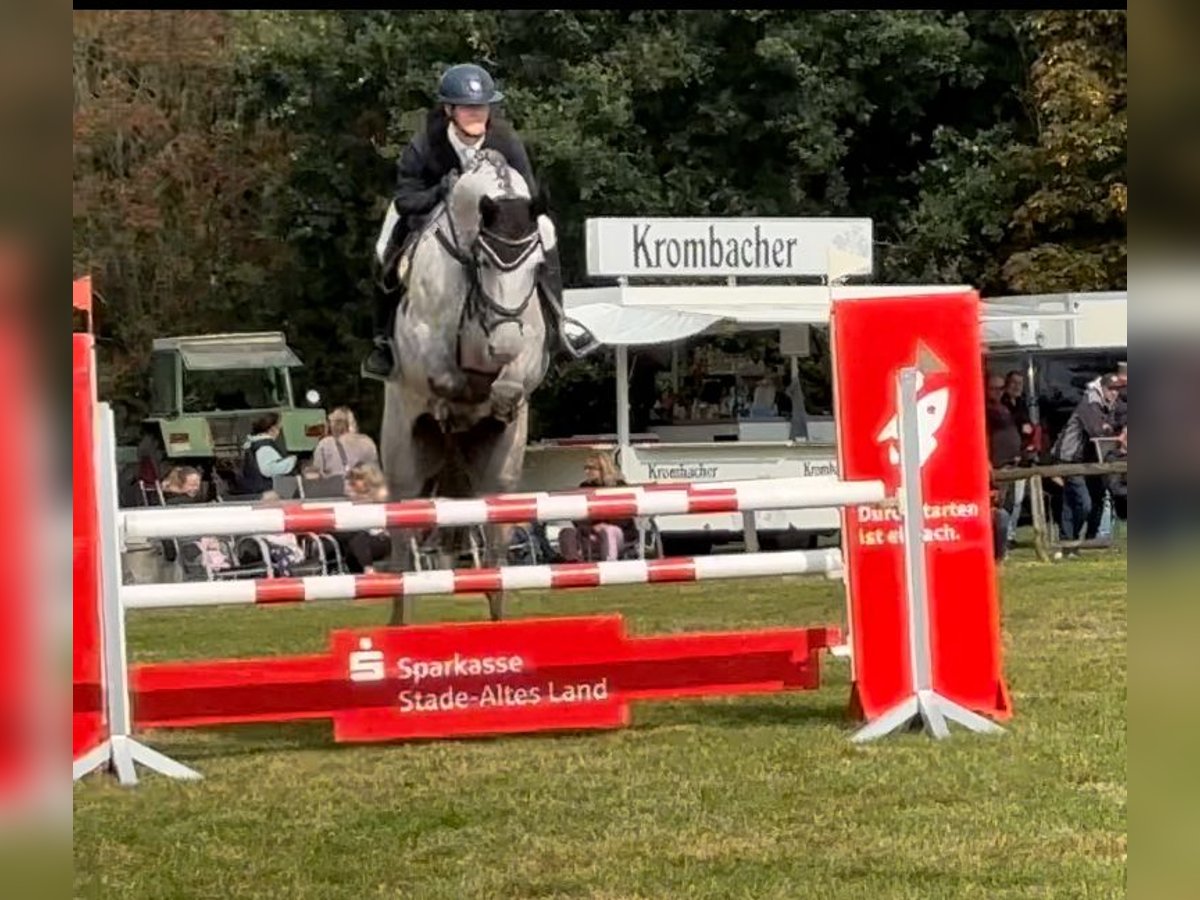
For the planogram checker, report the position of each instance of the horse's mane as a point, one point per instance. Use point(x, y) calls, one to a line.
point(504, 171)
point(490, 175)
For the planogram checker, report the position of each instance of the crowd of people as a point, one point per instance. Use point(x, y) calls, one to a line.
point(347, 454)
point(1096, 431)
point(343, 453)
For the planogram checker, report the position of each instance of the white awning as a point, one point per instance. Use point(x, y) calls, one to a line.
point(631, 315)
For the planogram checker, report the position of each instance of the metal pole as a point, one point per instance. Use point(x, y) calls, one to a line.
point(622, 398)
point(913, 511)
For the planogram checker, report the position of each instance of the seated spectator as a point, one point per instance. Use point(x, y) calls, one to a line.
point(284, 549)
point(264, 456)
point(362, 549)
point(601, 538)
point(343, 447)
point(182, 485)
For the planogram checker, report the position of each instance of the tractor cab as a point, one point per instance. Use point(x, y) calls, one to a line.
point(207, 391)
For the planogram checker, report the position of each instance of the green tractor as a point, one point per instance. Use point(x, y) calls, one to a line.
point(205, 393)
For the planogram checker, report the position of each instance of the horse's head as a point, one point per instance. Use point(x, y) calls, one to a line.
point(503, 235)
point(514, 235)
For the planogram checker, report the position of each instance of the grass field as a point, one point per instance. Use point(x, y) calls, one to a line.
point(750, 797)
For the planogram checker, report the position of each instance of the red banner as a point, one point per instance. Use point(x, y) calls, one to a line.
point(872, 340)
point(455, 680)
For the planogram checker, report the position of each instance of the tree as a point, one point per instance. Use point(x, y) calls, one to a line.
point(1034, 201)
point(170, 184)
point(1073, 222)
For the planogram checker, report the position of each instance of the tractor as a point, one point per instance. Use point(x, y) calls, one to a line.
point(206, 392)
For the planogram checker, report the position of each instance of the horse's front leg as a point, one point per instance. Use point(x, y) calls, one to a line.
point(514, 384)
point(436, 363)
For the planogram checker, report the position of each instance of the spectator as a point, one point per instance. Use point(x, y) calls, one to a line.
point(182, 485)
point(1004, 435)
point(362, 549)
point(1018, 404)
point(343, 447)
point(1004, 443)
point(1091, 419)
point(605, 537)
point(283, 549)
point(264, 456)
point(1100, 486)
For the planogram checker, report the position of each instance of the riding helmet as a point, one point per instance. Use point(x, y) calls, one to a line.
point(468, 85)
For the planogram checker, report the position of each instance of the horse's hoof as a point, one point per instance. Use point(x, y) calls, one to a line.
point(506, 401)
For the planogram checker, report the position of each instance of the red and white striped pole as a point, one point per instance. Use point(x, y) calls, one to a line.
point(603, 504)
point(471, 581)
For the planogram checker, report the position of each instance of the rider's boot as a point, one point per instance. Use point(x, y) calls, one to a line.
point(572, 336)
point(380, 363)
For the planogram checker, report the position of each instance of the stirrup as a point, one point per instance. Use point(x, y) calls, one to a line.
point(388, 346)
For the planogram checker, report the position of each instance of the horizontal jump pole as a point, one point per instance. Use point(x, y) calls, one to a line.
point(601, 504)
point(559, 576)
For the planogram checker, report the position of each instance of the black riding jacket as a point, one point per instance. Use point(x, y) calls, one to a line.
point(429, 157)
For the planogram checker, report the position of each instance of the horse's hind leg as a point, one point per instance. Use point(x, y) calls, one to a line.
point(495, 455)
point(497, 539)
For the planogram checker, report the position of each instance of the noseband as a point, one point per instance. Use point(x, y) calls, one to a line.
point(492, 247)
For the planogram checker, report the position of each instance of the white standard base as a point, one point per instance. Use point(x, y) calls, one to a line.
point(121, 753)
point(932, 710)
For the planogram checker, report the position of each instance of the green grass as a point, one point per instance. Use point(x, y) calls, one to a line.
point(747, 797)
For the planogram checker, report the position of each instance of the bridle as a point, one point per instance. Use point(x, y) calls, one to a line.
point(480, 305)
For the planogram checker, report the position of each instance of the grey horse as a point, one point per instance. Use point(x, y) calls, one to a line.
point(472, 342)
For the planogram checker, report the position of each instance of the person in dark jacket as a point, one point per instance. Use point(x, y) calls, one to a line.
point(1015, 400)
point(264, 456)
point(1004, 435)
point(455, 130)
point(1092, 418)
point(1004, 446)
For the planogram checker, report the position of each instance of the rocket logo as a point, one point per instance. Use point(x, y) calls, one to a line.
point(931, 411)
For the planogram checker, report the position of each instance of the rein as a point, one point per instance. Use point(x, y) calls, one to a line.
point(480, 305)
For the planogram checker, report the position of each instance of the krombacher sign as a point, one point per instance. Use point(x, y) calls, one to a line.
point(724, 247)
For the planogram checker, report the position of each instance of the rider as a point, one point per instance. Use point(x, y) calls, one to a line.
point(459, 126)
